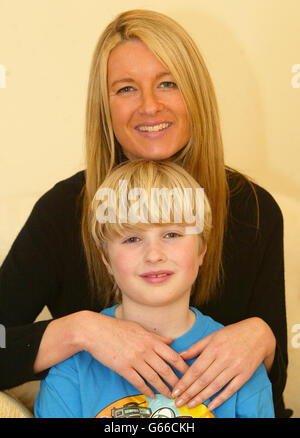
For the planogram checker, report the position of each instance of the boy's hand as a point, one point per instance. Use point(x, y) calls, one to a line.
point(228, 356)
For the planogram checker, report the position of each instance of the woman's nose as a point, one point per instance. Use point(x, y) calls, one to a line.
point(150, 103)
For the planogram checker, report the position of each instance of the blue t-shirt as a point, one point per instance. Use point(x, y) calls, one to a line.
point(81, 387)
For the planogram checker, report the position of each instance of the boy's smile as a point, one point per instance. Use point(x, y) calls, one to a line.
point(155, 277)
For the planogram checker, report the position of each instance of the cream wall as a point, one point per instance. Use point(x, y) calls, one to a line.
point(252, 51)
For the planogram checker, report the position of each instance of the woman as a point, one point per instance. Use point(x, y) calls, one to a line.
point(150, 96)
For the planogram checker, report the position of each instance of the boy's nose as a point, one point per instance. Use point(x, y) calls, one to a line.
point(154, 253)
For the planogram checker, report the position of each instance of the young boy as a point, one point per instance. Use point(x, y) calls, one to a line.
point(153, 250)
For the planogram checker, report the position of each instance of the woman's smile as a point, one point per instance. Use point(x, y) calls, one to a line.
point(154, 130)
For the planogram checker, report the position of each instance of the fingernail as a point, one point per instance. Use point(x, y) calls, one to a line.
point(175, 393)
point(179, 402)
point(211, 407)
point(192, 404)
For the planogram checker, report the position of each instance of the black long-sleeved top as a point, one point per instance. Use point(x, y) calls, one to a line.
point(46, 266)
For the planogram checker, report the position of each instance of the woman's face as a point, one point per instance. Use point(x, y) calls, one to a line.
point(149, 115)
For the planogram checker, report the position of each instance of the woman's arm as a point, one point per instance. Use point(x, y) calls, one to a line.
point(17, 358)
point(59, 342)
point(123, 346)
point(254, 276)
point(28, 278)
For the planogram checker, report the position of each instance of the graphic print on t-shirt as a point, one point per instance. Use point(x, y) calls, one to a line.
point(140, 406)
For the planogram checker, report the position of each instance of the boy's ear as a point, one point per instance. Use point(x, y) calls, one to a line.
point(106, 263)
point(202, 255)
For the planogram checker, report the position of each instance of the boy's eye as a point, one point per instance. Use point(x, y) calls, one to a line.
point(172, 235)
point(133, 239)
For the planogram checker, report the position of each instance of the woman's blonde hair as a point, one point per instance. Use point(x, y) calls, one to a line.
point(159, 193)
point(202, 157)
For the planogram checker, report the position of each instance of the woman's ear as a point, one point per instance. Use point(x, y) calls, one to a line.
point(106, 263)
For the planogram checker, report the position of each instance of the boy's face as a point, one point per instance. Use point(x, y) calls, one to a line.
point(156, 266)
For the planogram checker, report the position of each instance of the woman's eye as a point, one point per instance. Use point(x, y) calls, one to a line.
point(125, 90)
point(168, 84)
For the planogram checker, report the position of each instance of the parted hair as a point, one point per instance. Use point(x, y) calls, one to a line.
point(202, 157)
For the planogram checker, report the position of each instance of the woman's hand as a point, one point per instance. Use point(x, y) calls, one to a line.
point(231, 354)
point(123, 346)
point(131, 351)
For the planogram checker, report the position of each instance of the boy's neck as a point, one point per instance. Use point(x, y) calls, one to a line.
point(171, 321)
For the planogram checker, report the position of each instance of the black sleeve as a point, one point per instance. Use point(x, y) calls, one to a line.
point(253, 261)
point(268, 297)
point(28, 277)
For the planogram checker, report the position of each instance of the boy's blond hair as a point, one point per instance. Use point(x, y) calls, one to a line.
point(145, 175)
